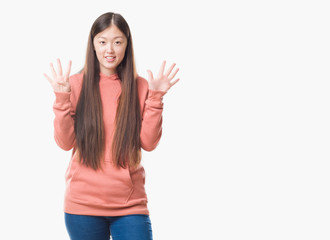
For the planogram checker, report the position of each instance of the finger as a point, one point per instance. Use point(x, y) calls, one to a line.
point(59, 67)
point(161, 70)
point(174, 82)
point(48, 78)
point(68, 70)
point(150, 76)
point(173, 74)
point(53, 70)
point(168, 71)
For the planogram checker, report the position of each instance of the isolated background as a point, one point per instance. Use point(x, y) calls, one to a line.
point(246, 136)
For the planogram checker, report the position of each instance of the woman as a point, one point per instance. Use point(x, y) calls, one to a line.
point(106, 114)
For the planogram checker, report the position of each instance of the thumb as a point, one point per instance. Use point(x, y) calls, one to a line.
point(150, 76)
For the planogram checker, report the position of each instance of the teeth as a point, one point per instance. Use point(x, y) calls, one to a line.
point(109, 57)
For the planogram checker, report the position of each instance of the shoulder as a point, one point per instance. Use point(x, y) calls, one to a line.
point(142, 82)
point(76, 79)
point(76, 84)
point(143, 85)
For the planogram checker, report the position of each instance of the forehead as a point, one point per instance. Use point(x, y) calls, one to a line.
point(111, 33)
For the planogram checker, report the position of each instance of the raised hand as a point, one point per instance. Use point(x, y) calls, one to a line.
point(60, 82)
point(163, 81)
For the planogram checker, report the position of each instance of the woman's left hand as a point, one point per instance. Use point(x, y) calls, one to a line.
point(163, 81)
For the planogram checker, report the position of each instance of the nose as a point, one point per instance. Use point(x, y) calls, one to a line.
point(109, 48)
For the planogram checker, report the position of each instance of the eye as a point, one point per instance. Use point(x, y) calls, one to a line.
point(102, 42)
point(117, 43)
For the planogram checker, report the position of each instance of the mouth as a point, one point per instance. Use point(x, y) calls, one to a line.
point(110, 59)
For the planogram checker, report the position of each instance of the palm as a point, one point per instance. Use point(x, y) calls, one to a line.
point(60, 82)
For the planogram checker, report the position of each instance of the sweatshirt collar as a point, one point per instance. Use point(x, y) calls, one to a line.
point(112, 77)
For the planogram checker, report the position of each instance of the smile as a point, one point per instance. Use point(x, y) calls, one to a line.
point(110, 59)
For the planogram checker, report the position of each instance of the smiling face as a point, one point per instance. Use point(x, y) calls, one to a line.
point(110, 46)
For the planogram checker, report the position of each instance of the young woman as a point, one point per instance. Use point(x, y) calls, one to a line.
point(106, 114)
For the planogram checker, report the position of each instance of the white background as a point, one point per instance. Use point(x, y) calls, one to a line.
point(245, 146)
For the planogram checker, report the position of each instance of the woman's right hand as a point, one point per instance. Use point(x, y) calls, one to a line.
point(60, 82)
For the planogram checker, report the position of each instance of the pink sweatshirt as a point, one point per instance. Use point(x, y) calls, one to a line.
point(111, 191)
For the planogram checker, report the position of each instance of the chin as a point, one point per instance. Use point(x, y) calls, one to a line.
point(110, 66)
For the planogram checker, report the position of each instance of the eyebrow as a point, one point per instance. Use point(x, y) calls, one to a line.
point(112, 38)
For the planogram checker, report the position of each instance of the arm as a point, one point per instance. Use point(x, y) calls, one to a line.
point(63, 123)
point(151, 129)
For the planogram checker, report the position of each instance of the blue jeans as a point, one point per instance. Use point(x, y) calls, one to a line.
point(129, 227)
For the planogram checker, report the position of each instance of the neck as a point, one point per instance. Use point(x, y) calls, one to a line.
point(107, 72)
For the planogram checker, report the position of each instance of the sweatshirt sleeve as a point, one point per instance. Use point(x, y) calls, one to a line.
point(151, 129)
point(64, 122)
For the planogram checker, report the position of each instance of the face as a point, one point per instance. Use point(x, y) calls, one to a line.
point(110, 46)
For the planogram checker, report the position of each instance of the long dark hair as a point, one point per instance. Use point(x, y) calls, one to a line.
point(89, 128)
